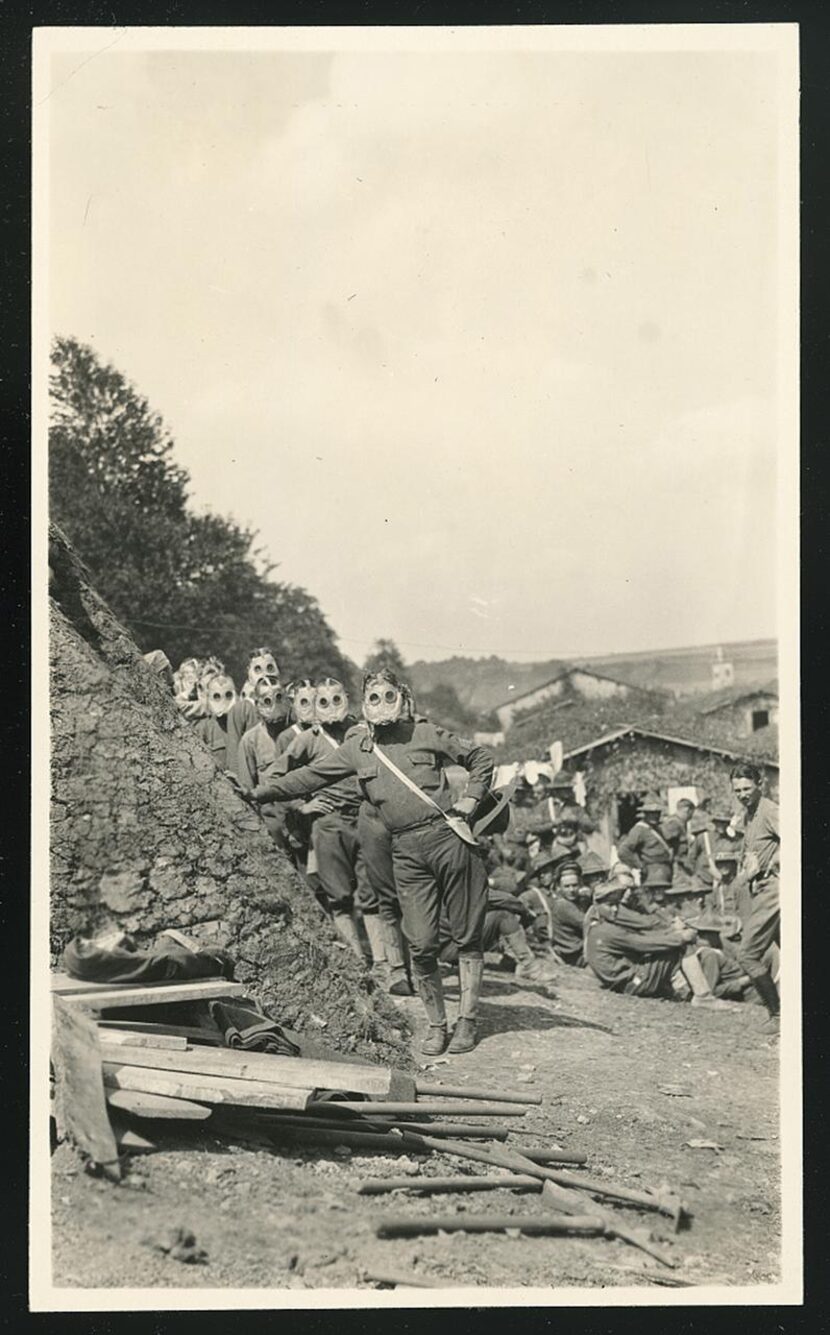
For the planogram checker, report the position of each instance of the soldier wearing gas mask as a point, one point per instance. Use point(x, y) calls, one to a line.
point(261, 663)
point(334, 842)
point(398, 760)
point(227, 717)
point(261, 745)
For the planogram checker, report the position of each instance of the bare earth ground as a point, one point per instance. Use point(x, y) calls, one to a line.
point(294, 1220)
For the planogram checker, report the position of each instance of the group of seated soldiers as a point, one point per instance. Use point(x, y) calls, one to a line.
point(689, 910)
point(684, 912)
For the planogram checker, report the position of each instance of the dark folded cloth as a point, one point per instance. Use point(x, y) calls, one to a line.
point(84, 959)
point(244, 1027)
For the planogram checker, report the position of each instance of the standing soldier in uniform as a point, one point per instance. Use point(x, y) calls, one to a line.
point(758, 880)
point(645, 848)
point(399, 762)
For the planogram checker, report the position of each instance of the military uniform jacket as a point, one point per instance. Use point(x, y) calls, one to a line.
point(418, 748)
point(568, 926)
point(762, 837)
point(643, 844)
point(619, 941)
point(222, 736)
point(316, 743)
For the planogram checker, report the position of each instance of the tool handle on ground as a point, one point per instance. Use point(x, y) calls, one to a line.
point(426, 1088)
point(544, 1225)
point(509, 1181)
point(382, 1108)
point(645, 1198)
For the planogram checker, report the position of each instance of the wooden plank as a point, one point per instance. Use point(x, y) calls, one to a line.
point(188, 1031)
point(157, 1106)
point(77, 1060)
point(118, 1037)
point(202, 1088)
point(293, 1072)
point(99, 996)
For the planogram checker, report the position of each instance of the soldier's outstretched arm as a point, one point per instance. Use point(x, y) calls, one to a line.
point(277, 787)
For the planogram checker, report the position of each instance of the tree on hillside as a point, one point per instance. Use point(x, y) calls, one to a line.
point(182, 582)
point(385, 654)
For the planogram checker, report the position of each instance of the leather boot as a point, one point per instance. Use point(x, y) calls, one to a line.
point(470, 973)
point(432, 995)
point(528, 966)
point(377, 945)
point(399, 984)
point(346, 928)
point(768, 993)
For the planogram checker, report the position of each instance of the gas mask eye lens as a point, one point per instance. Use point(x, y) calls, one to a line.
point(322, 702)
point(374, 698)
point(390, 696)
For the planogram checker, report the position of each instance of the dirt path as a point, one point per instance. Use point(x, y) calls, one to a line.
point(599, 1060)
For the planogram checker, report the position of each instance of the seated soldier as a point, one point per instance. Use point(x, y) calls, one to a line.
point(592, 869)
point(568, 908)
point(688, 903)
point(638, 953)
point(568, 842)
point(503, 930)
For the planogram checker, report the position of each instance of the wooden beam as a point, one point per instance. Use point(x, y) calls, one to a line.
point(80, 1094)
point(157, 1106)
point(291, 1072)
point(100, 996)
point(203, 1088)
point(379, 1108)
point(167, 1042)
point(195, 1032)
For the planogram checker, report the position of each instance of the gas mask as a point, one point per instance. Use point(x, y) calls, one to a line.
point(262, 663)
point(270, 700)
point(331, 704)
point(383, 701)
point(221, 695)
point(186, 680)
point(302, 702)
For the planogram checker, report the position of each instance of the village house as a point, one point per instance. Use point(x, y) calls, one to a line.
point(621, 766)
point(571, 683)
point(744, 711)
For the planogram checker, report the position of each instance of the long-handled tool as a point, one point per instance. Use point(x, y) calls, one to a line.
point(571, 1201)
point(426, 1088)
point(544, 1225)
point(430, 1185)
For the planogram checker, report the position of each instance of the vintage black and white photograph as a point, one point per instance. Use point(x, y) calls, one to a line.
point(416, 750)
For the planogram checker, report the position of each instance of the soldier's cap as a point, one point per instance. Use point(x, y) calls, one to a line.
point(709, 921)
point(656, 876)
point(569, 865)
point(606, 889)
point(568, 816)
point(591, 864)
point(651, 802)
point(542, 861)
point(620, 871)
point(688, 887)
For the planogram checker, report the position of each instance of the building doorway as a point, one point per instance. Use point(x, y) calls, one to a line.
point(628, 804)
point(760, 719)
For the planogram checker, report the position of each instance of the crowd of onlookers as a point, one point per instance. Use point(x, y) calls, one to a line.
point(685, 906)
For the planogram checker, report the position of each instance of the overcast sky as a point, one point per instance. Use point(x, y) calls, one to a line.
point(484, 345)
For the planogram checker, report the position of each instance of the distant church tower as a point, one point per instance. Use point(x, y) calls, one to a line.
point(723, 672)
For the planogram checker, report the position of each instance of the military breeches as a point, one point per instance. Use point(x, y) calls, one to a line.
point(335, 845)
point(497, 923)
point(438, 876)
point(761, 928)
point(380, 894)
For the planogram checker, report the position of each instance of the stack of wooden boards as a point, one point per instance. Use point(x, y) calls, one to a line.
point(116, 1074)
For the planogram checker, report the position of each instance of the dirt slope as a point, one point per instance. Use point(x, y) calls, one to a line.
point(147, 833)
